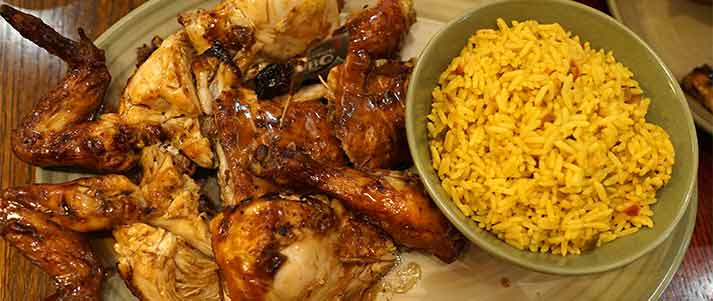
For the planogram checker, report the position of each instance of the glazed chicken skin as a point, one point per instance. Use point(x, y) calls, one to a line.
point(62, 130)
point(391, 200)
point(41, 220)
point(83, 205)
point(369, 113)
point(291, 248)
point(369, 94)
point(246, 126)
point(65, 255)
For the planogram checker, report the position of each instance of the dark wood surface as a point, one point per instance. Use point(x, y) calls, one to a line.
point(26, 73)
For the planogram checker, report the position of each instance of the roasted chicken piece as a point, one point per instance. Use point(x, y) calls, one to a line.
point(369, 95)
point(369, 113)
point(292, 248)
point(62, 129)
point(379, 31)
point(63, 254)
point(174, 197)
point(699, 84)
point(83, 205)
point(162, 97)
point(173, 262)
point(41, 220)
point(274, 29)
point(157, 265)
point(44, 220)
point(391, 200)
point(246, 126)
point(159, 102)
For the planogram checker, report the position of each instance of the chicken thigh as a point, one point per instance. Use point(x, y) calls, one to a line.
point(391, 200)
point(246, 126)
point(369, 89)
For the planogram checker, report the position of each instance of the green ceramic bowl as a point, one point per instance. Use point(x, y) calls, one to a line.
point(668, 109)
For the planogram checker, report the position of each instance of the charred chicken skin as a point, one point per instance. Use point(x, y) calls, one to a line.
point(290, 248)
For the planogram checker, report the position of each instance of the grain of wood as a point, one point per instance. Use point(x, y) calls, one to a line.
point(27, 73)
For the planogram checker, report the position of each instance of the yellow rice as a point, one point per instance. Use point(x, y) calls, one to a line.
point(543, 141)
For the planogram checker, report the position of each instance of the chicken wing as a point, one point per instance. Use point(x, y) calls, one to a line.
point(157, 265)
point(291, 248)
point(369, 94)
point(44, 220)
point(84, 205)
point(62, 130)
point(391, 200)
point(64, 255)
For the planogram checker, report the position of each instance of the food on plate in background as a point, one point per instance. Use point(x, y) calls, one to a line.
point(699, 84)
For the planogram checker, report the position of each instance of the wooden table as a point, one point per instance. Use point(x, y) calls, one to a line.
point(27, 73)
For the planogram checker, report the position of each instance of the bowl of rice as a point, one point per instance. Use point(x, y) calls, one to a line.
point(551, 136)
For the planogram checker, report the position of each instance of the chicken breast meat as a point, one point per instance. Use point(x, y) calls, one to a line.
point(298, 248)
point(162, 97)
point(278, 29)
point(158, 265)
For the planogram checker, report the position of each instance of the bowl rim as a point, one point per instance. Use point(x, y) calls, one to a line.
point(522, 261)
point(705, 122)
